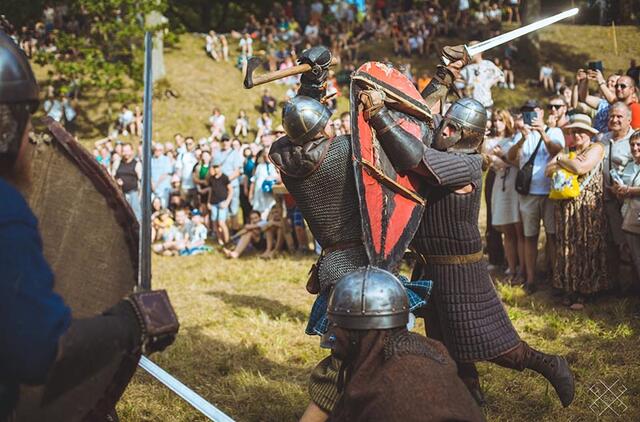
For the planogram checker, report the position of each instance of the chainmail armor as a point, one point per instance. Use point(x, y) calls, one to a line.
point(329, 203)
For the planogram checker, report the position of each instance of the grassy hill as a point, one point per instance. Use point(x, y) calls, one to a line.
point(202, 83)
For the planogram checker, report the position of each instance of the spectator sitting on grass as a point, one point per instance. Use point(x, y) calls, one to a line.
point(160, 222)
point(176, 238)
point(126, 121)
point(250, 237)
point(546, 77)
point(268, 102)
point(217, 121)
point(242, 124)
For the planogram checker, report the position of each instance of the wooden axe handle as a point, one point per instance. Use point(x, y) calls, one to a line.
point(284, 73)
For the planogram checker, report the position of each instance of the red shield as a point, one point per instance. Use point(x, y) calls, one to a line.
point(390, 204)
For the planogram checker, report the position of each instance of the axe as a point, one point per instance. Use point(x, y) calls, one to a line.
point(252, 63)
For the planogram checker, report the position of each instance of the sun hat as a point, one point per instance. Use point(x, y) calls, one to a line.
point(581, 121)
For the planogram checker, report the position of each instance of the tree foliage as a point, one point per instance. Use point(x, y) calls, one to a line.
point(103, 49)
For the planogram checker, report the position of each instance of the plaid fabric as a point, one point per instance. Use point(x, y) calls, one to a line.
point(418, 292)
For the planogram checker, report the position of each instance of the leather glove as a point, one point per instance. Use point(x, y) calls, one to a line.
point(372, 101)
point(319, 58)
point(157, 319)
point(456, 53)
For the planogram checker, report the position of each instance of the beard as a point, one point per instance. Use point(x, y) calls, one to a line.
point(17, 172)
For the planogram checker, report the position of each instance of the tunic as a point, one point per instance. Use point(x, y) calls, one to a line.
point(472, 319)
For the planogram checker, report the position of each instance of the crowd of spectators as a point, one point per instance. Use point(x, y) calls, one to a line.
point(584, 136)
point(584, 148)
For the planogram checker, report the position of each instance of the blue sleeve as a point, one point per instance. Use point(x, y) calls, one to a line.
point(32, 316)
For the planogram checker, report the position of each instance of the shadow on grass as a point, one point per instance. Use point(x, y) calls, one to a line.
point(237, 378)
point(273, 308)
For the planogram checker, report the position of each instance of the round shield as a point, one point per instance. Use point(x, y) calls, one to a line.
point(90, 239)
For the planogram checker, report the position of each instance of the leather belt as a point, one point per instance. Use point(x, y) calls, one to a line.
point(451, 259)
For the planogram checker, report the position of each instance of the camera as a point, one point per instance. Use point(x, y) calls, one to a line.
point(597, 65)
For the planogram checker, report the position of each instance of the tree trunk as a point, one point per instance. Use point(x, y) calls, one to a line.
point(529, 45)
point(223, 16)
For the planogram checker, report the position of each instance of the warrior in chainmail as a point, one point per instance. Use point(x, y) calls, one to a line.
point(316, 167)
point(383, 363)
point(465, 311)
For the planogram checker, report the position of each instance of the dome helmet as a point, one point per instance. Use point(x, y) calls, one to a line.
point(469, 119)
point(368, 299)
point(304, 118)
point(18, 95)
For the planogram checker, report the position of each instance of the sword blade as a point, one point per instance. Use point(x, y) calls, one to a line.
point(516, 33)
point(144, 267)
point(187, 394)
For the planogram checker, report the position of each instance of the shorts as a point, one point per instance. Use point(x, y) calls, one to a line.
point(534, 208)
point(218, 213)
point(297, 220)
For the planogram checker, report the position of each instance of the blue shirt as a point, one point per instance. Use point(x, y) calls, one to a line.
point(229, 161)
point(32, 316)
point(159, 166)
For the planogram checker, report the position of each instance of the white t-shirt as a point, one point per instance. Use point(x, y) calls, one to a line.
point(540, 184)
point(482, 77)
point(463, 5)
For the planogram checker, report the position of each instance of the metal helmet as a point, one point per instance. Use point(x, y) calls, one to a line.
point(469, 118)
point(18, 95)
point(304, 118)
point(368, 299)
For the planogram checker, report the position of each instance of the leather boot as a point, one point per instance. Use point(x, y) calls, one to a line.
point(553, 367)
point(469, 375)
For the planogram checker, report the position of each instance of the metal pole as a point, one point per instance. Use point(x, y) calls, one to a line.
point(144, 272)
point(191, 397)
point(144, 267)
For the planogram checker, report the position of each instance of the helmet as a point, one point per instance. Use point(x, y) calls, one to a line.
point(17, 83)
point(469, 118)
point(368, 299)
point(18, 95)
point(304, 118)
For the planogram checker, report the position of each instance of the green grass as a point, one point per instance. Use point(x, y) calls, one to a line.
point(242, 346)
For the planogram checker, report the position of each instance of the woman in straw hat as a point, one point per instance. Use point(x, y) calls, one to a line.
point(580, 266)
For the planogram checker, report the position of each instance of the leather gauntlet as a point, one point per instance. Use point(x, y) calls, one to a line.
point(157, 319)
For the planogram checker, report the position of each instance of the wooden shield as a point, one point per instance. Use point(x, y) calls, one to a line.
point(390, 203)
point(90, 239)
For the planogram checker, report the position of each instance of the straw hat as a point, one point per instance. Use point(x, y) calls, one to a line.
point(581, 121)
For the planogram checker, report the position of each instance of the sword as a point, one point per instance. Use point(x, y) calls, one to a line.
point(516, 33)
point(144, 267)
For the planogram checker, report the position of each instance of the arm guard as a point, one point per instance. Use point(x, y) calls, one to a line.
point(403, 149)
point(314, 89)
point(439, 87)
point(450, 169)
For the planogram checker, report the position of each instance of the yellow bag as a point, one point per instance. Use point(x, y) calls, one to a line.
point(564, 184)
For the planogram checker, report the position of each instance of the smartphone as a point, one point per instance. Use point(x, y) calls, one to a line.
point(528, 117)
point(597, 65)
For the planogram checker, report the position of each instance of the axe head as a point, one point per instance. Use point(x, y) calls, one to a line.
point(249, 67)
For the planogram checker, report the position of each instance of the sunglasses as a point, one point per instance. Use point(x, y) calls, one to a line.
point(621, 86)
point(554, 106)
